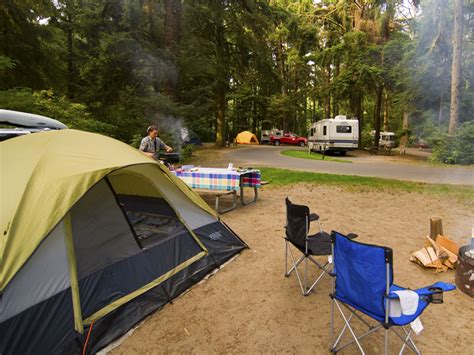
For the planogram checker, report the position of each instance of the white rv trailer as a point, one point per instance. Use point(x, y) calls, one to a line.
point(339, 135)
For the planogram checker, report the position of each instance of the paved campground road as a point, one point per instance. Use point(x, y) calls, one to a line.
point(362, 165)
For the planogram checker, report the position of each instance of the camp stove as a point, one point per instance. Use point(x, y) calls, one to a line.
point(170, 157)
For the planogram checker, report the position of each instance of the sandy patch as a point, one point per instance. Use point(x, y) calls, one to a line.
point(250, 307)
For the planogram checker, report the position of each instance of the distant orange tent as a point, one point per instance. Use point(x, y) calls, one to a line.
point(246, 137)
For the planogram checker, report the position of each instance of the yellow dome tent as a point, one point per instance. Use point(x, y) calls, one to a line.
point(246, 137)
point(95, 234)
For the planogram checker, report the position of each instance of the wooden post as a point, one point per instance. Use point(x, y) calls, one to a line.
point(436, 227)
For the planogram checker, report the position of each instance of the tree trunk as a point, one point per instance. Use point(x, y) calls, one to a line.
point(172, 24)
point(284, 80)
point(440, 108)
point(327, 107)
point(436, 227)
point(172, 43)
point(357, 16)
point(254, 111)
point(221, 78)
point(377, 118)
point(305, 112)
point(149, 11)
point(413, 9)
point(335, 104)
point(356, 111)
point(281, 67)
point(359, 112)
point(404, 138)
point(220, 118)
point(327, 102)
point(441, 9)
point(385, 111)
point(456, 66)
point(70, 63)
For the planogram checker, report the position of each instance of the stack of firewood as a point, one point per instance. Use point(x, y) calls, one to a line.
point(439, 252)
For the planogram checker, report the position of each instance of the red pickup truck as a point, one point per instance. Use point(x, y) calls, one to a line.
point(288, 138)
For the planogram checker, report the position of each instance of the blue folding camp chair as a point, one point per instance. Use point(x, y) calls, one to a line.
point(363, 283)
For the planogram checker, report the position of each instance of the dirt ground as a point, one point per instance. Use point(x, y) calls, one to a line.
point(250, 307)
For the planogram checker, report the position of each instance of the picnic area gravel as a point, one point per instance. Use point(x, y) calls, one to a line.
point(250, 307)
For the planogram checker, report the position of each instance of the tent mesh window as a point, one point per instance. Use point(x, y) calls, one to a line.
point(152, 219)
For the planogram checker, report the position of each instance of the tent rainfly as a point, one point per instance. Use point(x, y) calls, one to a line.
point(246, 137)
point(95, 236)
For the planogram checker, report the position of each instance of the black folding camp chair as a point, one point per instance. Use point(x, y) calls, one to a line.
point(363, 285)
point(298, 219)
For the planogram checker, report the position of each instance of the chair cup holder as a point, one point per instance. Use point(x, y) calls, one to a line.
point(436, 295)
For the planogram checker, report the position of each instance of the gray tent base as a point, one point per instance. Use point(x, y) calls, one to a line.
point(48, 327)
point(156, 298)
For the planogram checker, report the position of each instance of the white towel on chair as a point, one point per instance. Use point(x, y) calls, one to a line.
point(406, 304)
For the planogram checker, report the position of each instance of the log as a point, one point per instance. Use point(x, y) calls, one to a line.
point(448, 243)
point(436, 227)
point(443, 247)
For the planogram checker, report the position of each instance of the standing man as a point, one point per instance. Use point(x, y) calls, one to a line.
point(151, 144)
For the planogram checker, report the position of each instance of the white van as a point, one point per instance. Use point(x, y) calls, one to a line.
point(339, 135)
point(387, 140)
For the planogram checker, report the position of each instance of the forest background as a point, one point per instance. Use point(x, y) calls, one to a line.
point(222, 66)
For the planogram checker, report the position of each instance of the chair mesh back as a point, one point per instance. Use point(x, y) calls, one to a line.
point(296, 219)
point(361, 274)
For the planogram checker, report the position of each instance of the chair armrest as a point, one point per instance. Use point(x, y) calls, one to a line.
point(440, 286)
point(313, 217)
point(428, 290)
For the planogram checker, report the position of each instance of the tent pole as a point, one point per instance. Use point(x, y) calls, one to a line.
point(135, 236)
point(71, 258)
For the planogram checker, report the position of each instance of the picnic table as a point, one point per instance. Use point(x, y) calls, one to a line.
point(375, 150)
point(219, 182)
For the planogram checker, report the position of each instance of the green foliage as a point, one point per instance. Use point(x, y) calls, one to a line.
point(46, 103)
point(367, 139)
point(187, 151)
point(136, 140)
point(455, 149)
point(6, 63)
point(108, 66)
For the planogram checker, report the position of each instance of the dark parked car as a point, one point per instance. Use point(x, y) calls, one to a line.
point(21, 123)
point(421, 144)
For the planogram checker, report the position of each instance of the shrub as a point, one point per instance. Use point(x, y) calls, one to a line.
point(48, 104)
point(455, 149)
point(187, 151)
point(136, 140)
point(367, 139)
